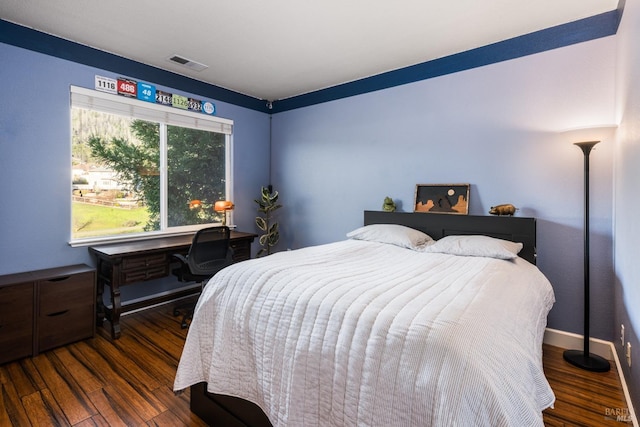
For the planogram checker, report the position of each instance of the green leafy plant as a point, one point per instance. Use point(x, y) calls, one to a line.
point(267, 204)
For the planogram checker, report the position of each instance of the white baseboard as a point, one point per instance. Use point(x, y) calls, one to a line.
point(602, 348)
point(573, 341)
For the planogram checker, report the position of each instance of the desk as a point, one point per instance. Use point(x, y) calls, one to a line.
point(121, 264)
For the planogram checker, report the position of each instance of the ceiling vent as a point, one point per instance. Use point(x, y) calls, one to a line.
point(192, 65)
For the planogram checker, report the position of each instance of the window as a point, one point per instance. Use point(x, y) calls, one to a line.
point(140, 169)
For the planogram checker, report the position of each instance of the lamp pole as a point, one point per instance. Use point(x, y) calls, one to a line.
point(583, 359)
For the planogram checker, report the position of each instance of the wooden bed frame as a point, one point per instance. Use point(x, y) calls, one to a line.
point(221, 410)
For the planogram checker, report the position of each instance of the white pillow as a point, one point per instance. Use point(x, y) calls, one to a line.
point(393, 234)
point(476, 245)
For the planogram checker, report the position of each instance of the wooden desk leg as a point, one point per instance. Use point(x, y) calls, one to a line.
point(116, 303)
point(100, 314)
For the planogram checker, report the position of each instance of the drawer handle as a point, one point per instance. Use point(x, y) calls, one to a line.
point(58, 279)
point(58, 313)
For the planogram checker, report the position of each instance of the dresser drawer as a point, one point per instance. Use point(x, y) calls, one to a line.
point(16, 343)
point(66, 292)
point(66, 310)
point(16, 321)
point(241, 250)
point(142, 262)
point(65, 326)
point(14, 302)
point(144, 274)
point(139, 269)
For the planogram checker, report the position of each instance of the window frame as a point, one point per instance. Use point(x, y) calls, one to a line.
point(165, 115)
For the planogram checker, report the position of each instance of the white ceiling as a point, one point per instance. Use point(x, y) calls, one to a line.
point(281, 48)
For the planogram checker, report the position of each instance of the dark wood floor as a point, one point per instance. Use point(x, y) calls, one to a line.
point(583, 398)
point(127, 382)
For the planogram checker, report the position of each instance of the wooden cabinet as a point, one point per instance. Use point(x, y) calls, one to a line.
point(44, 309)
point(16, 321)
point(66, 309)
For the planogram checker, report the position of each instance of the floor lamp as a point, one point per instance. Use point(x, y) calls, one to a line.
point(582, 358)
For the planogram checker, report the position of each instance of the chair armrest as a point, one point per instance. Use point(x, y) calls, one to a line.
point(179, 257)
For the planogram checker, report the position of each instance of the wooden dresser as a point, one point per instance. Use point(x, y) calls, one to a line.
point(44, 309)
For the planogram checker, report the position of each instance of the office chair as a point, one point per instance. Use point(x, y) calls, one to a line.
point(208, 254)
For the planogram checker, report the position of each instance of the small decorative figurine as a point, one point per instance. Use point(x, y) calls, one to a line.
point(388, 205)
point(505, 209)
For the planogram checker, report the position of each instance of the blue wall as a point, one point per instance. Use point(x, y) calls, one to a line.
point(500, 128)
point(35, 158)
point(627, 203)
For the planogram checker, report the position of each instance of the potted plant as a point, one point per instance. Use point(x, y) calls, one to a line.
point(267, 204)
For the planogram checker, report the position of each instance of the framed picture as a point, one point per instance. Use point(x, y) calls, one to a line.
point(442, 198)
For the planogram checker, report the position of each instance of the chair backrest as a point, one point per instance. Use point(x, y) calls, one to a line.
point(209, 244)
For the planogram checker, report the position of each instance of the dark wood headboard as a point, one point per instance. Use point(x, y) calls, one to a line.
point(516, 229)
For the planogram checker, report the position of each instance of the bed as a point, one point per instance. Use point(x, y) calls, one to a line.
point(387, 327)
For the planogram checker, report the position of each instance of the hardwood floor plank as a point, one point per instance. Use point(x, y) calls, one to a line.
point(158, 341)
point(143, 402)
point(585, 401)
point(166, 419)
point(152, 349)
point(182, 411)
point(11, 409)
point(44, 411)
point(4, 415)
point(160, 319)
point(95, 421)
point(70, 396)
point(114, 408)
point(145, 352)
point(25, 377)
point(127, 366)
point(78, 369)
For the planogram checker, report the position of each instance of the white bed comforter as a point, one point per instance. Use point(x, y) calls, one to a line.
point(357, 333)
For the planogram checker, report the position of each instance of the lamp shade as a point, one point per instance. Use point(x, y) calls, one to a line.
point(223, 206)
